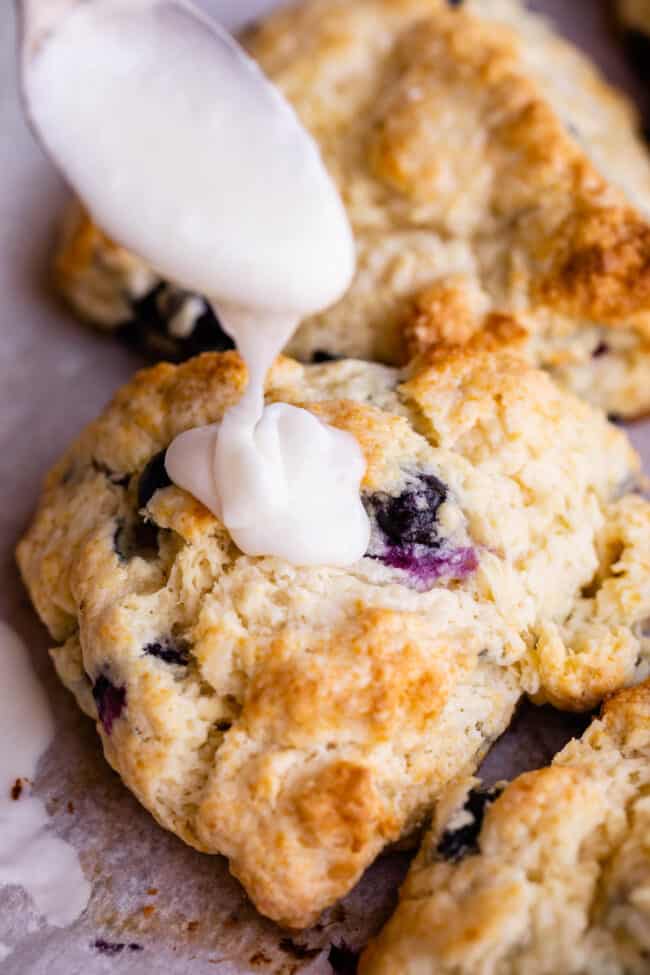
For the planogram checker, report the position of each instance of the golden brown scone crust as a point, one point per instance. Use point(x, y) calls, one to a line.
point(298, 719)
point(485, 165)
point(558, 882)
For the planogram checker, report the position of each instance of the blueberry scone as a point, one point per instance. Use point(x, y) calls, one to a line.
point(485, 166)
point(634, 17)
point(299, 719)
point(549, 876)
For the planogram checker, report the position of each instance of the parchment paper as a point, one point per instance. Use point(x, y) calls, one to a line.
point(156, 906)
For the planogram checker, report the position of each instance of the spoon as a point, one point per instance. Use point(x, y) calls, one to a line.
point(183, 151)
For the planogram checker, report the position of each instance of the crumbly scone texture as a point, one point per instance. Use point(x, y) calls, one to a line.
point(557, 881)
point(635, 15)
point(485, 165)
point(299, 719)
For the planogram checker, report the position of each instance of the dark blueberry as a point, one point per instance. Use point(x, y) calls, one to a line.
point(115, 947)
point(135, 538)
point(455, 844)
point(601, 349)
point(149, 328)
point(344, 960)
point(153, 478)
point(289, 946)
point(145, 538)
point(410, 517)
point(109, 947)
point(170, 651)
point(224, 726)
point(110, 700)
point(455, 3)
point(320, 356)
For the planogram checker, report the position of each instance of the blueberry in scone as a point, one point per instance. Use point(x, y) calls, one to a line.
point(297, 720)
point(153, 478)
point(485, 165)
point(110, 701)
point(169, 323)
point(460, 836)
point(117, 292)
point(557, 882)
point(169, 651)
point(405, 535)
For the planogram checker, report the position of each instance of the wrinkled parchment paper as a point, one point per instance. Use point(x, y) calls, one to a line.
point(157, 906)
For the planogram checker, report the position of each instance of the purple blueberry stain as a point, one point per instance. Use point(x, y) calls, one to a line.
point(405, 533)
point(175, 652)
point(427, 567)
point(110, 700)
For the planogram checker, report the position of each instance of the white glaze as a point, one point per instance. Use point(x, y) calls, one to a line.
point(202, 168)
point(278, 503)
point(31, 856)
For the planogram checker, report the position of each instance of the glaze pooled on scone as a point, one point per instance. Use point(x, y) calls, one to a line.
point(201, 167)
point(30, 855)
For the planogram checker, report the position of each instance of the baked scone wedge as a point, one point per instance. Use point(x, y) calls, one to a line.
point(299, 719)
point(550, 875)
point(485, 165)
